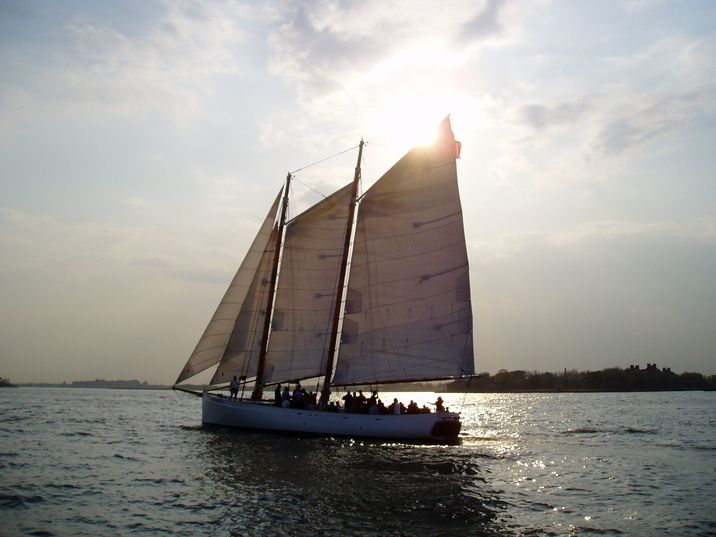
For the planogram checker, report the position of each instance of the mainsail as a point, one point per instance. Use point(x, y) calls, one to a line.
point(408, 314)
point(407, 307)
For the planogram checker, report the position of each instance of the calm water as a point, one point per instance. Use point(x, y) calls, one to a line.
point(112, 462)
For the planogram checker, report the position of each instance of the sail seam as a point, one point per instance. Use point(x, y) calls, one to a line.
point(415, 322)
point(406, 213)
point(410, 301)
point(412, 233)
point(410, 256)
point(416, 277)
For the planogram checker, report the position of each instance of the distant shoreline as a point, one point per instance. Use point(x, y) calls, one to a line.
point(98, 384)
point(436, 389)
point(610, 380)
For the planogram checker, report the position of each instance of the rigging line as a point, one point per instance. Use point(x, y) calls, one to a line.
point(324, 159)
point(309, 187)
point(467, 389)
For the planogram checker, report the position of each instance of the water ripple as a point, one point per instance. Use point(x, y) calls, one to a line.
point(113, 462)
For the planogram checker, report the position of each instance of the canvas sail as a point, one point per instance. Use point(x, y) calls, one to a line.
point(408, 313)
point(242, 352)
point(306, 293)
point(213, 342)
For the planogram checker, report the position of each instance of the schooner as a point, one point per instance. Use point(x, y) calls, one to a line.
point(359, 289)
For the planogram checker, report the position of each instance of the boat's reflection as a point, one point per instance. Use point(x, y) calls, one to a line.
point(339, 486)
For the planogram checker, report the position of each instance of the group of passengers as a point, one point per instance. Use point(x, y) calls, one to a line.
point(352, 402)
point(300, 398)
point(359, 404)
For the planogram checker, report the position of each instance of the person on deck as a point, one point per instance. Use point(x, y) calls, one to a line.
point(348, 404)
point(298, 401)
point(234, 388)
point(439, 405)
point(277, 396)
point(395, 407)
point(360, 404)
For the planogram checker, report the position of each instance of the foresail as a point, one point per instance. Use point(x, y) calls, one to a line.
point(213, 342)
point(306, 294)
point(242, 352)
point(408, 313)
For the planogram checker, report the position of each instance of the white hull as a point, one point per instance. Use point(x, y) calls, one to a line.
point(251, 415)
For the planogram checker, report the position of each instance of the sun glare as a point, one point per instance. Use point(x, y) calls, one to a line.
point(413, 120)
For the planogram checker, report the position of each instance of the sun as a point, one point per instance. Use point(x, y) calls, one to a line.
point(413, 119)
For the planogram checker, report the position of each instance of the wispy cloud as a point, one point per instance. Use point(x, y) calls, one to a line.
point(646, 118)
point(167, 65)
point(508, 245)
point(41, 244)
point(545, 115)
point(485, 24)
point(326, 48)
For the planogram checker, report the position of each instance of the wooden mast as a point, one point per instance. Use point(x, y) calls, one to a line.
point(258, 387)
point(325, 393)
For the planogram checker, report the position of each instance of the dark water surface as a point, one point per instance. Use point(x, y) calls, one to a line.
point(85, 462)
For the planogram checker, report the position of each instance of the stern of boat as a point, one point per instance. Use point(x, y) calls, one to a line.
point(447, 427)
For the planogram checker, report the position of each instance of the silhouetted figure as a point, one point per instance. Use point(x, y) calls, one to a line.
point(234, 388)
point(439, 405)
point(360, 404)
point(298, 397)
point(277, 396)
point(348, 402)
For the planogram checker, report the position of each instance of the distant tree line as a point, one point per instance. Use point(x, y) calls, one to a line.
point(101, 383)
point(632, 378)
point(5, 383)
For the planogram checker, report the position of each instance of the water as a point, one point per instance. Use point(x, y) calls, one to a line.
point(83, 462)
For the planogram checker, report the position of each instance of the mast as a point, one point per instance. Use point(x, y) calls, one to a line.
point(342, 278)
point(258, 387)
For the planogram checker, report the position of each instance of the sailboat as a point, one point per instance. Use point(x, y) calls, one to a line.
point(358, 290)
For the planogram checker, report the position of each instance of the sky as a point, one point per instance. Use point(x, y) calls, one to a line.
point(142, 143)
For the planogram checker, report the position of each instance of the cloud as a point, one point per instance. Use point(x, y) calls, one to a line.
point(698, 231)
point(569, 124)
point(641, 120)
point(485, 24)
point(618, 121)
point(543, 116)
point(45, 245)
point(334, 51)
point(168, 64)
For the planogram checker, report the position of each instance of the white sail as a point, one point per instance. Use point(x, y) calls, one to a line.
point(212, 344)
point(408, 313)
point(306, 293)
point(241, 356)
